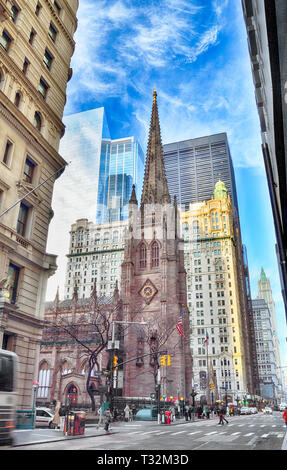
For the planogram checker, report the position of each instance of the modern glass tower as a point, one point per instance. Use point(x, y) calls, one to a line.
point(115, 165)
point(194, 166)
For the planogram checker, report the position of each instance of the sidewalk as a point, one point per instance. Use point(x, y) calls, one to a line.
point(29, 437)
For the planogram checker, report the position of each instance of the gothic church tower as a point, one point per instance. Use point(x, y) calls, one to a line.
point(153, 286)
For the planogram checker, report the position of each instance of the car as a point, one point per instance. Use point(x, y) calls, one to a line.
point(282, 406)
point(44, 417)
point(245, 410)
point(253, 410)
point(267, 410)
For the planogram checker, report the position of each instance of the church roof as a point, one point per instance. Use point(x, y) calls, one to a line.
point(155, 188)
point(263, 277)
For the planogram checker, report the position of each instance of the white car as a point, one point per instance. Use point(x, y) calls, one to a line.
point(44, 417)
point(253, 410)
point(267, 410)
point(245, 410)
point(282, 406)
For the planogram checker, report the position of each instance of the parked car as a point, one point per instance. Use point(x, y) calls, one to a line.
point(245, 410)
point(267, 410)
point(44, 417)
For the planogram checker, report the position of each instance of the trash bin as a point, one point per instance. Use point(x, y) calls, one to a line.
point(168, 415)
point(75, 423)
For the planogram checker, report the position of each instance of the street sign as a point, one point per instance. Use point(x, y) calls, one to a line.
point(152, 396)
point(106, 372)
point(97, 373)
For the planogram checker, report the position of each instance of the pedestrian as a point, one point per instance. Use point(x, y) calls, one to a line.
point(285, 415)
point(221, 415)
point(100, 414)
point(189, 412)
point(173, 414)
point(108, 420)
point(56, 420)
point(127, 413)
point(207, 412)
point(186, 413)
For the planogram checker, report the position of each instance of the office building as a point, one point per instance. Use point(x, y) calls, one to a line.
point(194, 166)
point(114, 165)
point(265, 351)
point(219, 333)
point(36, 45)
point(266, 34)
point(95, 256)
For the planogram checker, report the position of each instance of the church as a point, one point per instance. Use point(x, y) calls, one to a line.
point(153, 286)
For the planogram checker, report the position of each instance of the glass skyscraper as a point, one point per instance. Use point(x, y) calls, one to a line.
point(194, 166)
point(114, 165)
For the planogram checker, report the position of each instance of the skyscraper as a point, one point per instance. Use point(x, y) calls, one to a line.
point(115, 165)
point(194, 166)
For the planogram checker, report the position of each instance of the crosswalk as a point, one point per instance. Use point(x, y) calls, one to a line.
point(245, 431)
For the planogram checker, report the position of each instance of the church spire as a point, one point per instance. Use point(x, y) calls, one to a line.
point(155, 188)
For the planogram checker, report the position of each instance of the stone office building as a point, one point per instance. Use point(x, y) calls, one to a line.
point(36, 46)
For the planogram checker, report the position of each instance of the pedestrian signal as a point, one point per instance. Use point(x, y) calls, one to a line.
point(115, 362)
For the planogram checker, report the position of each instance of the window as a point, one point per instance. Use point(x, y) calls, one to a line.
point(28, 170)
point(38, 8)
point(154, 255)
point(143, 256)
point(17, 99)
point(48, 59)
point(44, 381)
point(22, 219)
point(14, 13)
point(25, 65)
point(5, 40)
point(32, 36)
point(57, 7)
point(52, 32)
point(43, 88)
point(37, 121)
point(13, 277)
point(8, 153)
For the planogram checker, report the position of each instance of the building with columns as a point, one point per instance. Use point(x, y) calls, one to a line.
point(36, 46)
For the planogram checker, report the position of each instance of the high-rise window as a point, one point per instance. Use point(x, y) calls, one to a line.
point(37, 121)
point(48, 59)
point(28, 170)
point(13, 277)
point(8, 153)
point(5, 40)
point(14, 12)
point(22, 219)
point(52, 32)
point(43, 87)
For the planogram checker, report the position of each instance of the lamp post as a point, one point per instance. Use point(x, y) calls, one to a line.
point(35, 386)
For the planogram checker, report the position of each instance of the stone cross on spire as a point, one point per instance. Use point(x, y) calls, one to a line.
point(155, 188)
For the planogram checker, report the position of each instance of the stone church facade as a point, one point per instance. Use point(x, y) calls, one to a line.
point(153, 285)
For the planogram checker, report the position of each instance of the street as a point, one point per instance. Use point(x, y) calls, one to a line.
point(251, 432)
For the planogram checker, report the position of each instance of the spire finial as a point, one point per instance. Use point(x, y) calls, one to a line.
point(154, 95)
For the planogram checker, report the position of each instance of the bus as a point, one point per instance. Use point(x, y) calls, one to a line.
point(8, 395)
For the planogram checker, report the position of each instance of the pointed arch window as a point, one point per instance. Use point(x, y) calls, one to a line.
point(44, 381)
point(154, 255)
point(143, 255)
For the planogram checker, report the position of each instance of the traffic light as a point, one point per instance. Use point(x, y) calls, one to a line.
point(162, 361)
point(211, 386)
point(115, 362)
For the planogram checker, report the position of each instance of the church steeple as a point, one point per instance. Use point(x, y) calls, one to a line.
point(155, 188)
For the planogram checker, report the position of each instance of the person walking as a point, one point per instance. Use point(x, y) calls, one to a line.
point(100, 417)
point(285, 416)
point(221, 416)
point(127, 413)
point(108, 420)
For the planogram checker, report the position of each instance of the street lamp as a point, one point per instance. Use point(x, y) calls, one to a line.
point(35, 386)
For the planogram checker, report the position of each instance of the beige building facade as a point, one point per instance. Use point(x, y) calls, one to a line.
point(36, 46)
point(221, 360)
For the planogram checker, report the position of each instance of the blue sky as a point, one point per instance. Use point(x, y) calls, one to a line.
point(195, 53)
